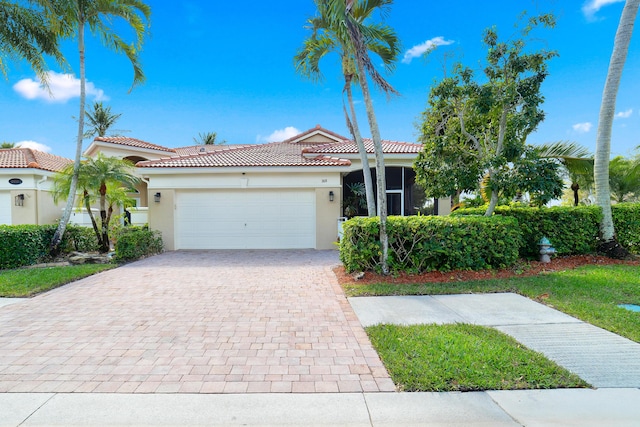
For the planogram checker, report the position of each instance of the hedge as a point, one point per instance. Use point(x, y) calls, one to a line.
point(571, 230)
point(22, 245)
point(134, 242)
point(626, 220)
point(424, 243)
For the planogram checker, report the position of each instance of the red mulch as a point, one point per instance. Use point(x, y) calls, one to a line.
point(523, 268)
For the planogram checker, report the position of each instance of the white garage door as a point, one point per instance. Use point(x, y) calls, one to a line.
point(246, 219)
point(5, 208)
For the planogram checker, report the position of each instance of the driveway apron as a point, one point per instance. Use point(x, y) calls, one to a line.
point(193, 322)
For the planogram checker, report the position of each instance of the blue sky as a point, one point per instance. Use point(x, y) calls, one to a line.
point(227, 67)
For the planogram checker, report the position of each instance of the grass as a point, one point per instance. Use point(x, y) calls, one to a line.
point(463, 357)
point(26, 282)
point(590, 293)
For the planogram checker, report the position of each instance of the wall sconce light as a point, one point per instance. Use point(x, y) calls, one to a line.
point(19, 200)
point(156, 197)
point(331, 196)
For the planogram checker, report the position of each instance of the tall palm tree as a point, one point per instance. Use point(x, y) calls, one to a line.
point(208, 138)
point(608, 244)
point(577, 161)
point(74, 16)
point(324, 40)
point(101, 177)
point(26, 32)
point(624, 179)
point(101, 119)
point(341, 17)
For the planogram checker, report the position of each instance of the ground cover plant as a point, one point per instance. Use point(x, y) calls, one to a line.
point(26, 282)
point(463, 357)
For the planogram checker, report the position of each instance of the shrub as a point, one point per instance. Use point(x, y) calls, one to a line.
point(424, 243)
point(626, 219)
point(571, 230)
point(79, 239)
point(24, 244)
point(133, 243)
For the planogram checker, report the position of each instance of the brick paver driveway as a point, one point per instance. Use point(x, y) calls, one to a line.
point(193, 322)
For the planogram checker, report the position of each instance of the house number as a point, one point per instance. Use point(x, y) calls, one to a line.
point(324, 180)
point(15, 181)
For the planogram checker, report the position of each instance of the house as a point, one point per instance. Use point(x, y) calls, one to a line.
point(26, 184)
point(281, 195)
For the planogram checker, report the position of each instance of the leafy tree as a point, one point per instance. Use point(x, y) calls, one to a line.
point(324, 40)
point(208, 138)
point(98, 15)
point(576, 160)
point(472, 129)
point(101, 179)
point(609, 244)
point(101, 119)
point(340, 16)
point(624, 179)
point(27, 32)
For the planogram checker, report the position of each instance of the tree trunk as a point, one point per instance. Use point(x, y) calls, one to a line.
point(66, 214)
point(502, 130)
point(104, 223)
point(605, 123)
point(364, 158)
point(576, 198)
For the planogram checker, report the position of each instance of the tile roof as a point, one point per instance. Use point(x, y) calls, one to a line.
point(24, 158)
point(273, 154)
point(207, 148)
point(318, 128)
point(350, 147)
point(133, 142)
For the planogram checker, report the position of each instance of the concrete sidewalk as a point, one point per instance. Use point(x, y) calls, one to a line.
point(601, 358)
point(610, 407)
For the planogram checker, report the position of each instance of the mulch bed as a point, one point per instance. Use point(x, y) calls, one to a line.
point(522, 268)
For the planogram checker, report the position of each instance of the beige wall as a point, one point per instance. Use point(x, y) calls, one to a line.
point(27, 213)
point(327, 214)
point(48, 211)
point(161, 215)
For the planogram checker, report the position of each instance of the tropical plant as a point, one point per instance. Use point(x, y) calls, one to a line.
point(576, 160)
point(101, 179)
point(609, 245)
point(624, 179)
point(471, 129)
point(340, 16)
point(208, 138)
point(8, 145)
point(98, 15)
point(101, 119)
point(26, 32)
point(324, 40)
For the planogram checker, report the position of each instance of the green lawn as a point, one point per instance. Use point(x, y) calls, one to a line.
point(463, 358)
point(26, 282)
point(590, 293)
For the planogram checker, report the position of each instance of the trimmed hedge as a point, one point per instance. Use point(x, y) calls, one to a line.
point(22, 245)
point(571, 230)
point(425, 243)
point(626, 219)
point(134, 242)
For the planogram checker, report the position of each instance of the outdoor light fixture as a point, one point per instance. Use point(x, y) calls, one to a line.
point(331, 196)
point(19, 199)
point(156, 197)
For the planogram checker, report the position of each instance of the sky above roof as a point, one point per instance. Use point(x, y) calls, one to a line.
point(227, 67)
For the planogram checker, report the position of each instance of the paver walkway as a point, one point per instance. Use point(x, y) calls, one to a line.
point(601, 358)
point(193, 322)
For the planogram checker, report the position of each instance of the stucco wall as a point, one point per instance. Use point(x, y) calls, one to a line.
point(327, 214)
point(161, 215)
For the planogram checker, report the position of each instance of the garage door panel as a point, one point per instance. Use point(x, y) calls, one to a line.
point(247, 219)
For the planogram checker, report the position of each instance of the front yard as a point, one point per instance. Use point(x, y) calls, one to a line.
point(27, 282)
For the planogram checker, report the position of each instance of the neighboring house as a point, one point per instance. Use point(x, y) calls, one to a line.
point(25, 186)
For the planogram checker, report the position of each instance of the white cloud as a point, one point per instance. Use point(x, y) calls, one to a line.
point(624, 114)
point(420, 49)
point(33, 145)
point(582, 127)
point(62, 87)
point(279, 135)
point(591, 7)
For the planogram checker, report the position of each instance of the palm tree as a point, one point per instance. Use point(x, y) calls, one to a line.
point(27, 33)
point(577, 161)
point(74, 16)
point(101, 119)
point(208, 138)
point(324, 40)
point(608, 244)
point(101, 178)
point(624, 179)
point(340, 15)
point(8, 145)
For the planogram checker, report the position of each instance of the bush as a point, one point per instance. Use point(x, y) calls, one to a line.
point(571, 230)
point(79, 239)
point(133, 243)
point(425, 243)
point(626, 219)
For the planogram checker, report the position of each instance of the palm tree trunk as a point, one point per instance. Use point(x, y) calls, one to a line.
point(576, 197)
point(605, 123)
point(104, 223)
point(364, 158)
point(66, 214)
